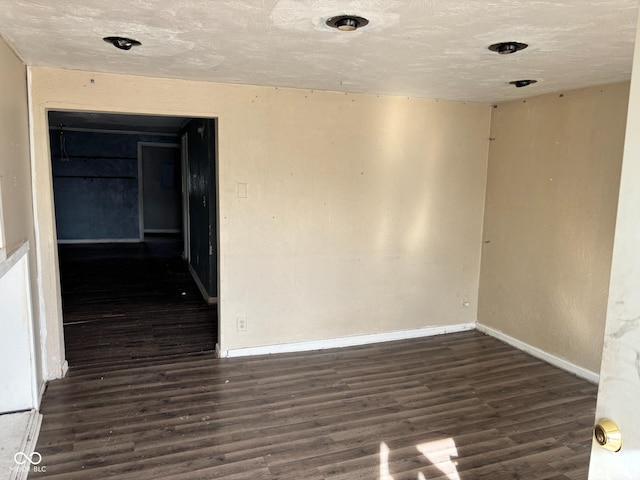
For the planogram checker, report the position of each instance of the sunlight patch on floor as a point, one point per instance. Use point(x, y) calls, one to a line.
point(440, 453)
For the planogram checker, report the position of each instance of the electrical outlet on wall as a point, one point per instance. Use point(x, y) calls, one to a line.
point(464, 301)
point(242, 324)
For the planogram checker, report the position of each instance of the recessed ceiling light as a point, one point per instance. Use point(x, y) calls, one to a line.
point(506, 48)
point(122, 43)
point(522, 83)
point(347, 23)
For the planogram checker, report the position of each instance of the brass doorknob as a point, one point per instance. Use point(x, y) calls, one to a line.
point(608, 435)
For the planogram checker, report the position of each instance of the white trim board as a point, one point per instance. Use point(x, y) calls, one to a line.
point(406, 335)
point(345, 341)
point(43, 388)
point(541, 354)
point(7, 263)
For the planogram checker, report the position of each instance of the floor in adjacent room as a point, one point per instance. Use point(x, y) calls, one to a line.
point(129, 302)
point(458, 406)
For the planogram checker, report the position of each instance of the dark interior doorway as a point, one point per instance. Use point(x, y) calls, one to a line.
point(160, 181)
point(130, 290)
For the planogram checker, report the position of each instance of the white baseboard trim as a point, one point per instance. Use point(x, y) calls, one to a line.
point(541, 354)
point(100, 240)
point(345, 341)
point(43, 387)
point(31, 437)
point(203, 291)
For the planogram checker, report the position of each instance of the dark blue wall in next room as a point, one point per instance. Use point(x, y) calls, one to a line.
point(95, 183)
point(201, 152)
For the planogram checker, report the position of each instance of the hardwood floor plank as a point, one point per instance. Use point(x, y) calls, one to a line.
point(322, 415)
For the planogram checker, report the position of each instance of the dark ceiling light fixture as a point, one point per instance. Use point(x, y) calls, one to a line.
point(347, 23)
point(506, 48)
point(122, 43)
point(522, 83)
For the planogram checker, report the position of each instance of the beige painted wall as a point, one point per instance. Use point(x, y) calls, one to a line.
point(363, 214)
point(15, 167)
point(552, 190)
point(14, 150)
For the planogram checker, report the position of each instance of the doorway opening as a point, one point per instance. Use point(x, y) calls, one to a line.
point(159, 188)
point(126, 230)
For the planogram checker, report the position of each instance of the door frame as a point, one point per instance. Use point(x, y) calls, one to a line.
point(141, 146)
point(186, 184)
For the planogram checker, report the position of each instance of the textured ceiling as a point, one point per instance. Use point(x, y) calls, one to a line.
point(428, 48)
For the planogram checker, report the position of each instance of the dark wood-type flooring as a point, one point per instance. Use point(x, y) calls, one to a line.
point(500, 414)
point(126, 302)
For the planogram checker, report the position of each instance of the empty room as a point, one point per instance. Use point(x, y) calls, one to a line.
point(394, 240)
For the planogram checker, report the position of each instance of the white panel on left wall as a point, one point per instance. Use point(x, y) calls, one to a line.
point(17, 369)
point(3, 252)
